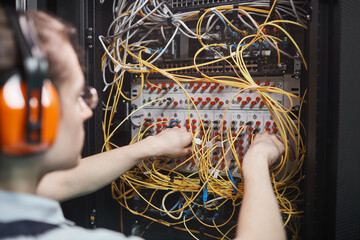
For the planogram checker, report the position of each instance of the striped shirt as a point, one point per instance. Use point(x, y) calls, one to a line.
point(26, 216)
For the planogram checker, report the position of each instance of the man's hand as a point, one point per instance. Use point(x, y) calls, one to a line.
point(267, 145)
point(260, 209)
point(173, 142)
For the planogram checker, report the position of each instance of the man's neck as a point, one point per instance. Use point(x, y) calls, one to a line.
point(22, 178)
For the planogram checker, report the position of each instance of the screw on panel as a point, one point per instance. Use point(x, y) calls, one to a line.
point(191, 115)
point(175, 115)
point(149, 114)
point(279, 85)
point(254, 117)
point(238, 116)
point(205, 115)
point(101, 1)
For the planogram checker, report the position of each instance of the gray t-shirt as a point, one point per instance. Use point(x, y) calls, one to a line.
point(26, 216)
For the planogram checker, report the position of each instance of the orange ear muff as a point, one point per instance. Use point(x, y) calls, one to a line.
point(13, 118)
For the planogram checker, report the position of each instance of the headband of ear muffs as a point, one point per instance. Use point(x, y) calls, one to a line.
point(29, 102)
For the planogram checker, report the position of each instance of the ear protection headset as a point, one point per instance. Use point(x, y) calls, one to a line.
point(29, 102)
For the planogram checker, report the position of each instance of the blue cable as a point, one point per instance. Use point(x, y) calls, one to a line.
point(233, 181)
point(234, 34)
point(215, 216)
point(157, 50)
point(172, 121)
point(235, 46)
point(158, 20)
point(176, 204)
point(205, 193)
point(255, 45)
point(188, 211)
point(265, 44)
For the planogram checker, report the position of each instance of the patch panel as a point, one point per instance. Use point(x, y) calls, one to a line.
point(217, 129)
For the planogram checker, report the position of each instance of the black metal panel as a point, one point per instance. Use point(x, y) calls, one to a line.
point(322, 121)
point(348, 166)
point(74, 12)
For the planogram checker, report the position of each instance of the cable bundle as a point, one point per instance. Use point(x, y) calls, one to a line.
point(208, 188)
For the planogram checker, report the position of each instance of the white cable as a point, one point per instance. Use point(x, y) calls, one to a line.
point(166, 46)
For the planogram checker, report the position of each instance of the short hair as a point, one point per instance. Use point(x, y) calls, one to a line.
point(51, 32)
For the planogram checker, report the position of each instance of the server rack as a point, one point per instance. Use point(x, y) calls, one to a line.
point(331, 167)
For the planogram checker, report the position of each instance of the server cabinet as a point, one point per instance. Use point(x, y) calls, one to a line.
point(331, 168)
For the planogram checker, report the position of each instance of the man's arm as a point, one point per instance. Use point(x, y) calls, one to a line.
point(259, 216)
point(95, 172)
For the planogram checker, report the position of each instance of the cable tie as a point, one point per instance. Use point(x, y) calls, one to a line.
point(198, 141)
point(140, 22)
point(214, 172)
point(117, 68)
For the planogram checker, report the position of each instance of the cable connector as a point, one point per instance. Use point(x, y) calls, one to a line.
point(152, 51)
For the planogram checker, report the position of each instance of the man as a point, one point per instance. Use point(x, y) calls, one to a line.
point(58, 173)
